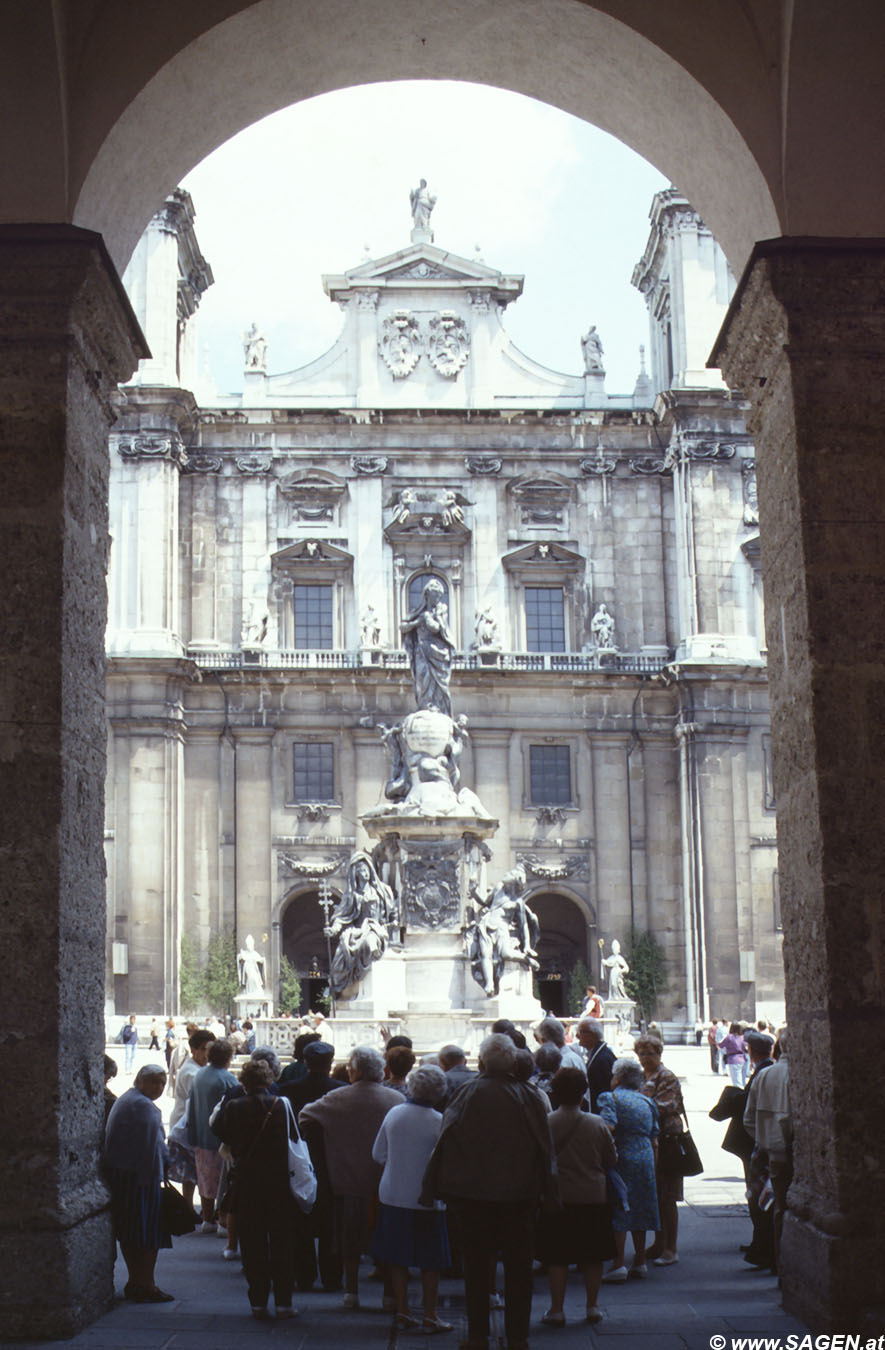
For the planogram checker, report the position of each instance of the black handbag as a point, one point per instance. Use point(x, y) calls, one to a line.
point(678, 1155)
point(177, 1214)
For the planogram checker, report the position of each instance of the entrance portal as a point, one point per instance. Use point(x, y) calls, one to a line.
point(303, 944)
point(566, 932)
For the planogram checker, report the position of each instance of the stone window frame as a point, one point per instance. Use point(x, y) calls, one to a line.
point(329, 586)
point(533, 587)
point(307, 563)
point(560, 566)
point(320, 805)
point(572, 743)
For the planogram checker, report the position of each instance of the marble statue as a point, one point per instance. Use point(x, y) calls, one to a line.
point(254, 349)
point(602, 627)
point(485, 627)
point(591, 346)
point(362, 922)
point(254, 629)
point(505, 929)
point(422, 203)
point(250, 969)
point(370, 634)
point(430, 648)
point(617, 968)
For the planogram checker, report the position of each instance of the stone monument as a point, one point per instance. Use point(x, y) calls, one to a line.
point(253, 999)
point(619, 1007)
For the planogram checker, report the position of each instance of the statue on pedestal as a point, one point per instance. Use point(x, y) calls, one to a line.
point(430, 648)
point(506, 929)
point(422, 202)
point(591, 347)
point(485, 626)
point(602, 626)
point(254, 349)
point(617, 968)
point(250, 969)
point(362, 922)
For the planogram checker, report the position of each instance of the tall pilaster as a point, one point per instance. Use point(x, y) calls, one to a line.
point(67, 335)
point(805, 340)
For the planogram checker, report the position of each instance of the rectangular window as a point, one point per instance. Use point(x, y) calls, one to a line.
point(550, 777)
point(314, 778)
point(313, 617)
point(544, 619)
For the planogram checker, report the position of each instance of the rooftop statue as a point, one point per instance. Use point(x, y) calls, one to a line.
point(422, 202)
point(591, 346)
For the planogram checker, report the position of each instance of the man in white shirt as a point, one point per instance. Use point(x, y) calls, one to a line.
point(767, 1118)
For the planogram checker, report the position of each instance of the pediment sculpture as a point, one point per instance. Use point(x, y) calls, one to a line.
point(448, 343)
point(400, 344)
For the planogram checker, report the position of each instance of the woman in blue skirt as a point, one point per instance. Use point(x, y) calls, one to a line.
point(135, 1159)
point(408, 1234)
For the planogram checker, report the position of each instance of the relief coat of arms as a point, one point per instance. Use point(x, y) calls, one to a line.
point(400, 343)
point(448, 343)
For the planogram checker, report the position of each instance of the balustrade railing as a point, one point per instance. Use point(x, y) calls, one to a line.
point(626, 663)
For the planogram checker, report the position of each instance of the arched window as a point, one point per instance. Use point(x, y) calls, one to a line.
point(416, 588)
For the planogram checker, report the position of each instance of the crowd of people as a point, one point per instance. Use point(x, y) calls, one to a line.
point(553, 1155)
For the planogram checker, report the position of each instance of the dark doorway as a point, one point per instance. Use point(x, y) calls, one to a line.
point(563, 942)
point(304, 946)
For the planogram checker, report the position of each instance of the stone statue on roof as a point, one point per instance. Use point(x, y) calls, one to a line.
point(422, 202)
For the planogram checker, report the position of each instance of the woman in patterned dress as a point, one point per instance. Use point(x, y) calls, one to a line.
point(633, 1120)
point(662, 1086)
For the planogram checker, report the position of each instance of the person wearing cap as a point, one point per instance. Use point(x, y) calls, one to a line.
point(313, 1246)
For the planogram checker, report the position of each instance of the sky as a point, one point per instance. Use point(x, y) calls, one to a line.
point(528, 188)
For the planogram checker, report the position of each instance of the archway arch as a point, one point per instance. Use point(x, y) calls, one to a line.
point(568, 927)
point(301, 940)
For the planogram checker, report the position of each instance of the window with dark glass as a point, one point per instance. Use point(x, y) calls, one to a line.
point(550, 778)
point(313, 617)
point(544, 619)
point(314, 778)
point(416, 589)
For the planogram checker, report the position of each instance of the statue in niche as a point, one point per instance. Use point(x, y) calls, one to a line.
point(602, 627)
point(430, 648)
point(250, 969)
point(485, 627)
point(254, 349)
point(362, 922)
point(617, 968)
point(422, 202)
point(254, 625)
point(370, 628)
point(505, 930)
point(591, 347)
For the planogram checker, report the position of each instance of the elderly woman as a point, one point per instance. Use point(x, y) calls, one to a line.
point(633, 1120)
point(135, 1162)
point(407, 1234)
point(581, 1233)
point(662, 1086)
point(209, 1085)
point(225, 1214)
point(255, 1128)
point(340, 1130)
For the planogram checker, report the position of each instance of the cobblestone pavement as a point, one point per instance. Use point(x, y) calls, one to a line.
point(710, 1297)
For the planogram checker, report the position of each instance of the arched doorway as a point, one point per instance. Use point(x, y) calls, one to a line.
point(302, 943)
point(566, 932)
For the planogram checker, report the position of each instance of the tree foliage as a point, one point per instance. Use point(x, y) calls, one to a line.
point(577, 988)
point(220, 981)
point(290, 988)
point(648, 973)
point(191, 993)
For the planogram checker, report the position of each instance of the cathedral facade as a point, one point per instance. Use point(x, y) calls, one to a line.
point(599, 558)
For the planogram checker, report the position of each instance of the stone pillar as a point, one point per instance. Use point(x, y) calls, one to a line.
point(67, 336)
point(805, 340)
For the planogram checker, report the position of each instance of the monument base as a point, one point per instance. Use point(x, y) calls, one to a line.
point(380, 994)
point(253, 1005)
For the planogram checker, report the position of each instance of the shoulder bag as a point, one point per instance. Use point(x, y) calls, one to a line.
point(678, 1155)
point(302, 1177)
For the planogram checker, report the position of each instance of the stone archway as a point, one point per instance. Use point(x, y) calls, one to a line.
point(567, 927)
point(302, 941)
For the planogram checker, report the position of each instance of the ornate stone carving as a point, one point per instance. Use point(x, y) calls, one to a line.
point(203, 464)
point(648, 464)
point(571, 866)
point(597, 466)
point(254, 350)
point(427, 511)
point(448, 343)
point(362, 922)
point(370, 628)
point(400, 343)
point(550, 815)
point(312, 493)
point(602, 626)
point(591, 349)
point(309, 867)
point(313, 811)
point(481, 301)
point(617, 968)
point(155, 447)
point(542, 501)
point(484, 465)
point(367, 299)
point(505, 929)
point(253, 465)
point(751, 496)
point(430, 883)
point(485, 627)
point(719, 450)
point(368, 466)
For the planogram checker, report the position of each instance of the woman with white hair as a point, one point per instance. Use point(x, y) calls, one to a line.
point(407, 1234)
point(341, 1128)
point(633, 1120)
point(135, 1159)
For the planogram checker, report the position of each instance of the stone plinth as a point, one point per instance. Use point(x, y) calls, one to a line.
point(68, 335)
point(380, 994)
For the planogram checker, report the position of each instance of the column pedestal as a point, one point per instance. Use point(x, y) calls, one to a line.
point(805, 341)
point(67, 336)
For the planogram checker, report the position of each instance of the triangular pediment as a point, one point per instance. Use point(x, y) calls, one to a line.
point(308, 555)
point(542, 555)
point(427, 267)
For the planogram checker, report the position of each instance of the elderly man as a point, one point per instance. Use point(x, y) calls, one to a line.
point(600, 1058)
point(550, 1031)
point(493, 1165)
point(767, 1118)
point(347, 1122)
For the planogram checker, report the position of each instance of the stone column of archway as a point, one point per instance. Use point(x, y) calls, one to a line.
point(805, 340)
point(67, 336)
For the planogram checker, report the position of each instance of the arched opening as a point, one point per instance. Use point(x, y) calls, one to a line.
point(302, 943)
point(566, 936)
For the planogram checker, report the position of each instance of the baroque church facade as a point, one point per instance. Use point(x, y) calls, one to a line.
point(599, 557)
